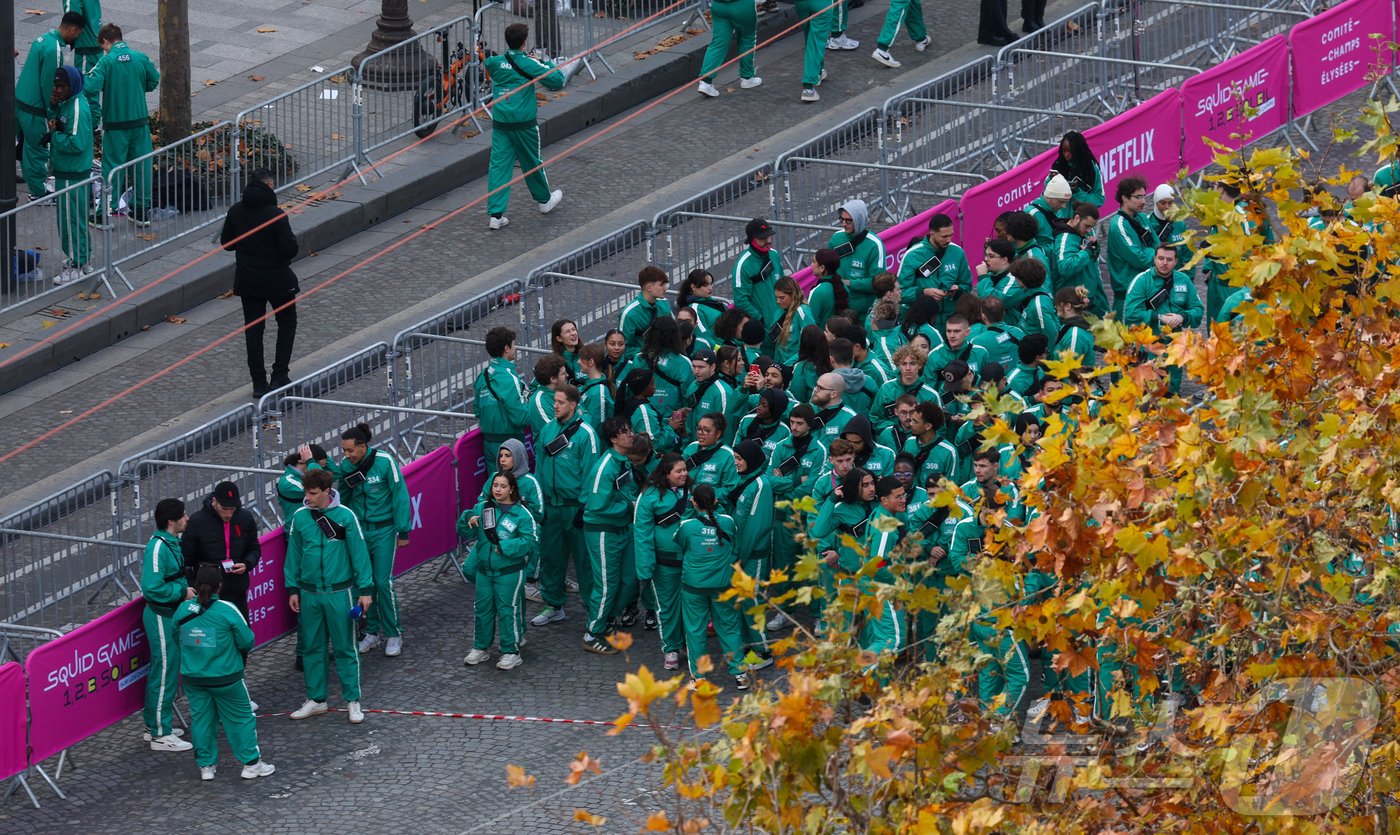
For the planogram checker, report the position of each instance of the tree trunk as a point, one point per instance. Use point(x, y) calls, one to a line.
point(173, 21)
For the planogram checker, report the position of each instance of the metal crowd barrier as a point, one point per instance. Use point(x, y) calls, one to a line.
point(302, 133)
point(558, 28)
point(707, 230)
point(592, 284)
point(41, 247)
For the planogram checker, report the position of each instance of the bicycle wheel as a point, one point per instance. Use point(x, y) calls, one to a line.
point(426, 113)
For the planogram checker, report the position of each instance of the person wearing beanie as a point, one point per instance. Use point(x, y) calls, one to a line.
point(116, 88)
point(1160, 221)
point(764, 425)
point(730, 21)
point(755, 338)
point(515, 133)
point(70, 148)
point(752, 500)
point(935, 267)
point(756, 271)
point(34, 98)
point(1050, 210)
point(224, 533)
point(862, 256)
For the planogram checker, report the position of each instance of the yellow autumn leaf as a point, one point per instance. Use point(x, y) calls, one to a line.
point(621, 724)
point(516, 777)
point(620, 641)
point(658, 822)
point(704, 705)
point(585, 816)
point(742, 586)
point(878, 761)
point(641, 688)
point(581, 765)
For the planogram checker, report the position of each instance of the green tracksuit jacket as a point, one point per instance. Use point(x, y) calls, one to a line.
point(86, 48)
point(1131, 246)
point(837, 518)
point(500, 400)
point(518, 535)
point(34, 87)
point(754, 275)
point(595, 401)
point(1077, 265)
point(717, 469)
point(860, 266)
point(539, 408)
point(674, 381)
point(609, 491)
point(925, 267)
point(561, 474)
point(213, 642)
point(1044, 221)
point(1000, 341)
point(937, 459)
point(708, 558)
point(654, 543)
point(1076, 339)
point(882, 410)
point(753, 510)
point(712, 396)
point(383, 497)
point(636, 317)
point(116, 89)
point(163, 581)
point(70, 146)
point(1038, 316)
point(519, 110)
point(791, 469)
point(1145, 301)
point(316, 563)
point(769, 434)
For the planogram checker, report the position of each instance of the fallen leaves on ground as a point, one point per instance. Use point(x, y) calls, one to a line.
point(665, 44)
point(176, 320)
point(209, 82)
point(266, 29)
point(257, 78)
point(89, 296)
point(35, 11)
point(227, 294)
point(338, 79)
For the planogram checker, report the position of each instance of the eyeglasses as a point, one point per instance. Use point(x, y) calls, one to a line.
point(846, 220)
point(820, 387)
point(1139, 196)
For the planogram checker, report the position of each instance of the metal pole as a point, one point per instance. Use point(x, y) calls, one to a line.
point(7, 141)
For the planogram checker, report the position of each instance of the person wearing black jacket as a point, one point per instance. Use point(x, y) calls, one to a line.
point(261, 237)
point(224, 533)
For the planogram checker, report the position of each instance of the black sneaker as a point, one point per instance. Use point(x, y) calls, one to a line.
point(259, 389)
point(650, 622)
point(595, 644)
point(628, 617)
point(279, 381)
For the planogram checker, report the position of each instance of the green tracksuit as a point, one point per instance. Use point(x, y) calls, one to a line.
point(830, 421)
point(835, 518)
point(595, 401)
point(1076, 339)
point(1150, 296)
point(730, 19)
point(1038, 316)
point(33, 89)
point(116, 89)
point(884, 632)
point(937, 527)
point(882, 410)
point(646, 420)
point(938, 459)
point(1218, 288)
point(163, 587)
point(382, 505)
point(1082, 192)
point(290, 492)
point(1131, 246)
point(1045, 218)
point(906, 13)
point(767, 434)
point(707, 555)
point(754, 275)
point(1077, 265)
point(712, 396)
point(86, 51)
point(674, 381)
point(791, 467)
point(539, 408)
point(213, 643)
point(753, 548)
point(654, 524)
point(515, 135)
point(859, 266)
point(1000, 341)
point(531, 498)
point(785, 350)
point(607, 511)
point(498, 563)
point(500, 406)
point(815, 33)
point(635, 321)
point(70, 159)
point(561, 481)
point(713, 465)
point(325, 571)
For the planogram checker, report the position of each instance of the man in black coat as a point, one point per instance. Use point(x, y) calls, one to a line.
point(263, 276)
point(223, 533)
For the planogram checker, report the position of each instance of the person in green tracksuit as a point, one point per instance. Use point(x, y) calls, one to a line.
point(551, 372)
point(844, 514)
point(1037, 313)
point(290, 493)
point(1071, 304)
point(506, 538)
point(1167, 229)
point(709, 394)
point(937, 528)
point(513, 459)
point(372, 486)
point(1165, 300)
point(116, 88)
point(499, 394)
point(709, 459)
point(214, 641)
point(862, 256)
point(70, 148)
point(794, 462)
point(664, 502)
point(327, 565)
point(752, 500)
point(595, 393)
point(818, 21)
point(935, 458)
point(1076, 256)
point(664, 354)
point(706, 544)
point(164, 588)
point(34, 96)
point(1130, 242)
point(910, 15)
point(935, 267)
point(1050, 210)
point(637, 317)
point(1076, 162)
point(756, 270)
point(729, 20)
point(885, 632)
point(564, 450)
point(515, 133)
point(1218, 287)
point(607, 511)
point(87, 48)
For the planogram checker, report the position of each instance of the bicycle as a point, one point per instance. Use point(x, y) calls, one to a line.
point(439, 96)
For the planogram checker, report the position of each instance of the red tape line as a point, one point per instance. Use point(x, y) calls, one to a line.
point(488, 716)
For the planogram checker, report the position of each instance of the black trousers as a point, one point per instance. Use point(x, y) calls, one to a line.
point(991, 22)
point(253, 308)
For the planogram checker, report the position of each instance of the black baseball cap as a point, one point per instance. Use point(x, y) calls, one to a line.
point(226, 495)
point(758, 228)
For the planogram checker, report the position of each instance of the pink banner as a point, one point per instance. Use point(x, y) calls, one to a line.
point(268, 612)
point(471, 468)
point(432, 496)
point(14, 755)
point(897, 240)
point(1144, 142)
point(1333, 53)
point(1011, 191)
point(1214, 102)
point(86, 680)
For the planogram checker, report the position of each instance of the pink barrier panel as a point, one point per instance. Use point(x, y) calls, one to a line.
point(86, 680)
point(1145, 142)
point(897, 240)
point(268, 612)
point(471, 469)
point(13, 720)
point(1333, 53)
point(1011, 191)
point(432, 494)
point(1213, 103)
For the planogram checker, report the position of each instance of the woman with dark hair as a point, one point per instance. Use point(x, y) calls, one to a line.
point(1077, 164)
point(214, 641)
point(729, 327)
point(696, 292)
point(507, 536)
point(664, 502)
point(564, 341)
point(705, 541)
point(844, 515)
point(829, 296)
point(708, 458)
point(813, 360)
point(922, 319)
point(1075, 336)
point(615, 361)
point(664, 354)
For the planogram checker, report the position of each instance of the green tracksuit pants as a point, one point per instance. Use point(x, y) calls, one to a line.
point(500, 598)
point(1007, 673)
point(816, 31)
point(36, 157)
point(119, 147)
point(885, 632)
point(560, 542)
point(840, 18)
point(908, 14)
point(700, 608)
point(383, 616)
point(730, 19)
point(164, 676)
point(607, 549)
point(666, 588)
point(73, 221)
point(1217, 291)
point(325, 616)
point(227, 705)
point(508, 147)
point(751, 626)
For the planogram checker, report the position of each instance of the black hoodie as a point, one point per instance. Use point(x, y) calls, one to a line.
point(205, 540)
point(263, 258)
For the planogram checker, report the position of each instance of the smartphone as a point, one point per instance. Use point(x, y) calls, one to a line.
point(753, 368)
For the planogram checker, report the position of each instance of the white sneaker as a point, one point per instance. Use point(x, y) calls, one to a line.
point(547, 616)
point(509, 661)
point(823, 76)
point(476, 656)
point(170, 742)
point(393, 646)
point(309, 709)
point(532, 593)
point(920, 46)
point(708, 89)
point(206, 772)
point(357, 713)
point(750, 83)
point(146, 737)
point(672, 661)
point(779, 621)
point(832, 45)
point(73, 273)
point(554, 198)
point(763, 663)
point(883, 56)
point(570, 586)
point(809, 94)
point(368, 643)
point(252, 705)
point(843, 41)
point(261, 768)
point(498, 223)
point(1037, 709)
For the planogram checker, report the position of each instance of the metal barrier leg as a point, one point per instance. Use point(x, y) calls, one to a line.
point(18, 781)
point(592, 42)
point(39, 769)
point(449, 560)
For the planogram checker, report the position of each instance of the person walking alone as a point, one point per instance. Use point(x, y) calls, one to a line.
point(515, 133)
